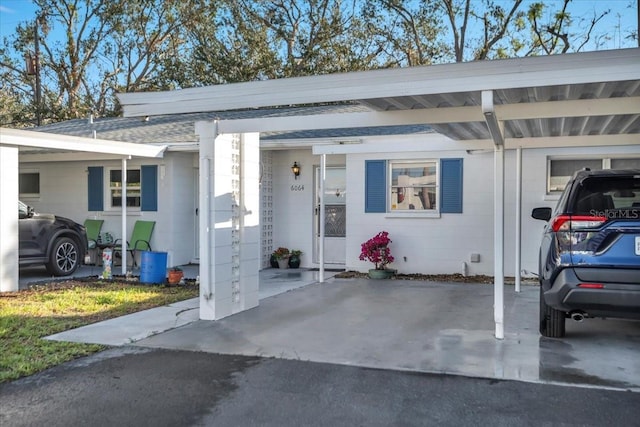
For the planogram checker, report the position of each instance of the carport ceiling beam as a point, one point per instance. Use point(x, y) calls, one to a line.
point(489, 112)
point(467, 114)
point(573, 108)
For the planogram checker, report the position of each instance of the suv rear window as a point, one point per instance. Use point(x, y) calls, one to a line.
point(598, 195)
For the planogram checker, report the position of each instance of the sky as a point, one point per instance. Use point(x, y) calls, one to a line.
point(13, 12)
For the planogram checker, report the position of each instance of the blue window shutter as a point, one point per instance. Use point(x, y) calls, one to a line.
point(375, 186)
point(149, 188)
point(95, 196)
point(451, 185)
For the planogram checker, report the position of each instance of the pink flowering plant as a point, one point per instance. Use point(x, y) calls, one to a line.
point(377, 250)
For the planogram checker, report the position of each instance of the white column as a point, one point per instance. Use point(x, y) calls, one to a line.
point(229, 221)
point(323, 175)
point(9, 273)
point(250, 231)
point(498, 241)
point(125, 236)
point(207, 132)
point(518, 217)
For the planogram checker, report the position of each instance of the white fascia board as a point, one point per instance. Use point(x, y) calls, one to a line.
point(577, 68)
point(65, 156)
point(350, 120)
point(24, 138)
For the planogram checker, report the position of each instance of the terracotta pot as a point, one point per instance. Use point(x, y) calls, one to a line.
point(174, 277)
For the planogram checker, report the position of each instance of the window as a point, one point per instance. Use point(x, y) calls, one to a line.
point(625, 163)
point(142, 188)
point(428, 186)
point(560, 170)
point(413, 185)
point(133, 188)
point(29, 184)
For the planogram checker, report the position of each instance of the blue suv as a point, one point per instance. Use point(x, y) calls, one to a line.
point(590, 252)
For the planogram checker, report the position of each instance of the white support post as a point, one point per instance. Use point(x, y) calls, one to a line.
point(518, 217)
point(323, 174)
point(9, 272)
point(124, 219)
point(250, 232)
point(207, 132)
point(498, 241)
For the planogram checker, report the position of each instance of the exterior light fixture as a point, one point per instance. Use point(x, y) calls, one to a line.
point(296, 170)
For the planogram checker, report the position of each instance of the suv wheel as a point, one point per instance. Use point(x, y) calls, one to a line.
point(64, 258)
point(551, 320)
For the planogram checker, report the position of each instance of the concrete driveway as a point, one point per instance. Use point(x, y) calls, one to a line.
point(420, 326)
point(391, 324)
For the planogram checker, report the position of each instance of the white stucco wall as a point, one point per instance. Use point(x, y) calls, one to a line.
point(441, 245)
point(177, 192)
point(422, 244)
point(293, 205)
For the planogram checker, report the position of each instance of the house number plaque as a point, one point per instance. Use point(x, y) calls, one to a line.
point(297, 187)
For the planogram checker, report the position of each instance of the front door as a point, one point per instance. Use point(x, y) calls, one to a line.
point(335, 224)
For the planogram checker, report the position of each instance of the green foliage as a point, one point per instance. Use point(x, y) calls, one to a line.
point(28, 316)
point(92, 49)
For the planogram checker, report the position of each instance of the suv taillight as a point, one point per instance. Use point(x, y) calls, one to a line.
point(576, 222)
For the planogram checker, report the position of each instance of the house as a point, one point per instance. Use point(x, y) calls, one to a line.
point(165, 190)
point(449, 159)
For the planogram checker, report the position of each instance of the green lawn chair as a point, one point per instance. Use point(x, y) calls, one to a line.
point(93, 227)
point(140, 238)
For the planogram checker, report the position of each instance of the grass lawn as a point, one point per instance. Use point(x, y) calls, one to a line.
point(28, 316)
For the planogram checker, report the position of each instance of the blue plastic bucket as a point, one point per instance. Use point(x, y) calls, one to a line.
point(153, 267)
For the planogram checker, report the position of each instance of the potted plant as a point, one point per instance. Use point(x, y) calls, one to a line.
point(174, 275)
point(282, 256)
point(294, 259)
point(377, 251)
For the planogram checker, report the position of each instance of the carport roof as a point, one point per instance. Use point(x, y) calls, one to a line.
point(570, 95)
point(29, 140)
point(179, 129)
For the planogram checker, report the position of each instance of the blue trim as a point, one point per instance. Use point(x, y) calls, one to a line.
point(375, 186)
point(451, 185)
point(95, 185)
point(149, 188)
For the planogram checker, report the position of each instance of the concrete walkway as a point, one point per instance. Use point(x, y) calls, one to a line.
point(136, 326)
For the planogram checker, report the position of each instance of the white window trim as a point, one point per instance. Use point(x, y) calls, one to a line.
point(409, 213)
point(107, 190)
point(31, 196)
point(606, 164)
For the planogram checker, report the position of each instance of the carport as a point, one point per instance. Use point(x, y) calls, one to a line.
point(12, 141)
point(572, 100)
